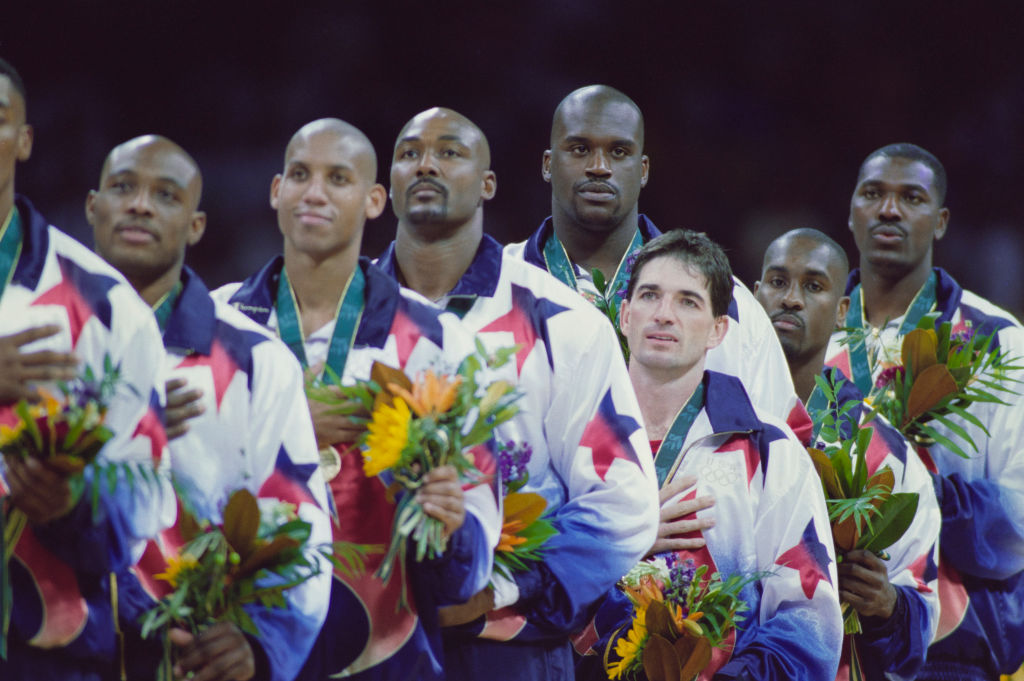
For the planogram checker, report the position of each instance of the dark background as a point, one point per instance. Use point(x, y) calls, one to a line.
point(758, 114)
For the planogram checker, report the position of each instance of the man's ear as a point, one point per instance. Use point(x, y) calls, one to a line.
point(376, 199)
point(718, 331)
point(841, 309)
point(624, 316)
point(940, 231)
point(645, 170)
point(25, 136)
point(197, 228)
point(275, 189)
point(489, 186)
point(90, 210)
point(545, 166)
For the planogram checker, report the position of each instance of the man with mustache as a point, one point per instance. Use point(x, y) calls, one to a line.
point(334, 310)
point(597, 167)
point(801, 289)
point(65, 311)
point(252, 431)
point(897, 213)
point(590, 460)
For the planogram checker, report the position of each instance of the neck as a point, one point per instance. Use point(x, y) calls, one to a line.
point(6, 203)
point(432, 265)
point(888, 295)
point(153, 290)
point(318, 284)
point(661, 395)
point(804, 370)
point(590, 249)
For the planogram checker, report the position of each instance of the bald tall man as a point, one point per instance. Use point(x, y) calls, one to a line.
point(590, 458)
point(333, 309)
point(597, 167)
point(250, 429)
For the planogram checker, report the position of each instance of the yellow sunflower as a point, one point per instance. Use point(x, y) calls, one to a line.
point(9, 434)
point(175, 566)
point(389, 433)
point(630, 647)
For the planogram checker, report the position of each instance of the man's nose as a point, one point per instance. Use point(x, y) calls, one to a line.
point(599, 165)
point(890, 208)
point(793, 298)
point(427, 165)
point(141, 203)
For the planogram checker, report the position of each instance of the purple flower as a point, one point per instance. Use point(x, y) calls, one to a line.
point(512, 462)
point(889, 374)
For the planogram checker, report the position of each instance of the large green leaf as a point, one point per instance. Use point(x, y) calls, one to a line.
point(894, 517)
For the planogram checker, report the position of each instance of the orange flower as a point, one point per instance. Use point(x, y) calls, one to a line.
point(648, 590)
point(432, 394)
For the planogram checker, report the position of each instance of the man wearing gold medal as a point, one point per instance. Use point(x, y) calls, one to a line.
point(336, 311)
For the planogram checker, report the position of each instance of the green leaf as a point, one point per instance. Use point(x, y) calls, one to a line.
point(894, 518)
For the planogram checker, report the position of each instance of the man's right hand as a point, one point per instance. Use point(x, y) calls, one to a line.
point(40, 492)
point(332, 428)
point(183, 404)
point(671, 524)
point(18, 370)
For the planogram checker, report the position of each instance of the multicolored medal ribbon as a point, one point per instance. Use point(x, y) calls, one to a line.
point(860, 365)
point(668, 452)
point(559, 265)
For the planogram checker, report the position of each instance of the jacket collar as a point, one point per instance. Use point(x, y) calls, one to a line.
point(533, 253)
point(34, 246)
point(192, 323)
point(256, 296)
point(480, 279)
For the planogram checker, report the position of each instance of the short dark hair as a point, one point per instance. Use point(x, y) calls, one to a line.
point(696, 250)
point(12, 73)
point(912, 152)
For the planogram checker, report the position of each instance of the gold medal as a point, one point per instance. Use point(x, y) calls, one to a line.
point(330, 463)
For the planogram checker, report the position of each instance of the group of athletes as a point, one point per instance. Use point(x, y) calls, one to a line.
point(695, 445)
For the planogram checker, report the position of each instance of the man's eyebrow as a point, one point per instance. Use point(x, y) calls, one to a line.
point(573, 139)
point(902, 185)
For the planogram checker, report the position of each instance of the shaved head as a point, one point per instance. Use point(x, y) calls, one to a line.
point(469, 132)
point(363, 155)
point(813, 237)
point(589, 99)
point(184, 166)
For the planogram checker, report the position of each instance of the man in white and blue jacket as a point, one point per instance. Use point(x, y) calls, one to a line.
point(897, 213)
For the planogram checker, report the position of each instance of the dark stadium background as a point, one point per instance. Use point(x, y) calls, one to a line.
point(758, 114)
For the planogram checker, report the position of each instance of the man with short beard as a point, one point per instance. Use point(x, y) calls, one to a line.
point(801, 289)
point(590, 459)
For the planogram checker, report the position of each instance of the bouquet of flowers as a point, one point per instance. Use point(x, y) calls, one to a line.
point(253, 556)
point(863, 510)
point(418, 425)
point(66, 433)
point(940, 374)
point(525, 529)
point(679, 616)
